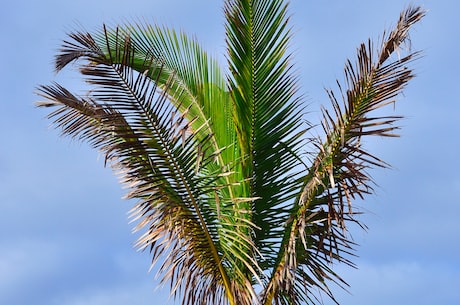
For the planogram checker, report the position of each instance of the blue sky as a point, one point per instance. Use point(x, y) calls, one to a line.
point(64, 234)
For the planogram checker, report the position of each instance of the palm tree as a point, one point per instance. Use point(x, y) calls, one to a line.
point(229, 204)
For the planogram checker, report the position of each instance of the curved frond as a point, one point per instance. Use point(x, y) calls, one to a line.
point(317, 232)
point(131, 120)
point(196, 73)
point(204, 98)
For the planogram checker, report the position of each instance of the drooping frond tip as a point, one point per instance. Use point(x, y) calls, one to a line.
point(400, 33)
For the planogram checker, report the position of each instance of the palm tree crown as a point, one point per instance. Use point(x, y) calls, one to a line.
point(227, 202)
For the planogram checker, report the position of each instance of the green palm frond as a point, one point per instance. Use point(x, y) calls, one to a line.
point(196, 75)
point(267, 114)
point(317, 234)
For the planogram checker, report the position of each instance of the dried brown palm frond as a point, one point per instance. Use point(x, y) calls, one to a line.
point(317, 231)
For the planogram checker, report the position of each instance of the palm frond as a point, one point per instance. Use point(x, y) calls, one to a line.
point(197, 76)
point(267, 114)
point(338, 174)
point(206, 103)
point(153, 147)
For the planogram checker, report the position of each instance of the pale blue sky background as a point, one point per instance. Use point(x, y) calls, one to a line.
point(64, 235)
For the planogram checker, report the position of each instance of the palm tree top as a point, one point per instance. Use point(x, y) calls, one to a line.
point(228, 204)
